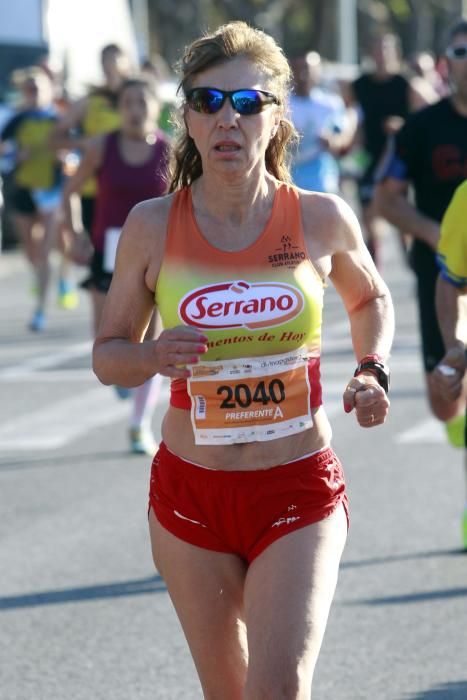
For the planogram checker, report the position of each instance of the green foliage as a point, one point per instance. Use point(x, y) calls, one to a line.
point(400, 9)
point(301, 25)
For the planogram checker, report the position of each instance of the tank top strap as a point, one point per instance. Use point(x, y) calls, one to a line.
point(178, 222)
point(287, 216)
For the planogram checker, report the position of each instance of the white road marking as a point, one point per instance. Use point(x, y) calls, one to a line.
point(59, 375)
point(54, 426)
point(429, 430)
point(72, 352)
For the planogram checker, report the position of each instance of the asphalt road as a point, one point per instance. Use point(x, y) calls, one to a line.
point(83, 614)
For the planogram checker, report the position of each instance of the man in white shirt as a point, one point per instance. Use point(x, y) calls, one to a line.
point(322, 121)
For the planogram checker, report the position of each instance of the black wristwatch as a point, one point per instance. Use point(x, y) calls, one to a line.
point(375, 364)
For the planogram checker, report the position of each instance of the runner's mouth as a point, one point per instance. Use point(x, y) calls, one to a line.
point(227, 147)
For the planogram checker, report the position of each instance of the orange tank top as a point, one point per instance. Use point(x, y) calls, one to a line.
point(264, 300)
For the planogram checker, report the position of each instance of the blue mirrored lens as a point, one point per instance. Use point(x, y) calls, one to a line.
point(247, 101)
point(210, 100)
point(206, 101)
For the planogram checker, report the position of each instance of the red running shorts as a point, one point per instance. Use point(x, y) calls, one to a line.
point(242, 512)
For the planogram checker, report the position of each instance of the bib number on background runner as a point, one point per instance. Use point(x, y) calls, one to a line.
point(112, 236)
point(250, 399)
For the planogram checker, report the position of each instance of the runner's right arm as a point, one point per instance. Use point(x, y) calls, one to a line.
point(451, 294)
point(61, 137)
point(87, 168)
point(121, 353)
point(393, 205)
point(393, 178)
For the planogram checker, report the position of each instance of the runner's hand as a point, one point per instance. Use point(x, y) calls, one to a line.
point(79, 247)
point(178, 348)
point(368, 398)
point(449, 373)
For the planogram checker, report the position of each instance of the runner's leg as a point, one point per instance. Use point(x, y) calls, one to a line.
point(67, 294)
point(371, 232)
point(47, 241)
point(98, 300)
point(206, 589)
point(144, 403)
point(288, 593)
point(31, 234)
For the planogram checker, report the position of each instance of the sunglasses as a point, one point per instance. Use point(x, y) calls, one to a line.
point(457, 53)
point(210, 100)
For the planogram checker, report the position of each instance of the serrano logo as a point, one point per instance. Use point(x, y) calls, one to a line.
point(237, 304)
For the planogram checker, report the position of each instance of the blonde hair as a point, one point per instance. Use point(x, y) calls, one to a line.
point(21, 76)
point(234, 40)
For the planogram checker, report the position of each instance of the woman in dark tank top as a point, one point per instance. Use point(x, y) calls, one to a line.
point(130, 165)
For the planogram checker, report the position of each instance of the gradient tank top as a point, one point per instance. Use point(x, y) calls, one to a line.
point(260, 306)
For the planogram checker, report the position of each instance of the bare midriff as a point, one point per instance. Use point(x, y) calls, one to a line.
point(177, 433)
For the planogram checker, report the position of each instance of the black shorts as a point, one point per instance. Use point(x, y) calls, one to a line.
point(87, 212)
point(366, 186)
point(22, 201)
point(423, 262)
point(98, 279)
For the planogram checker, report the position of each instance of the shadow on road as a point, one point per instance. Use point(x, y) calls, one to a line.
point(376, 561)
point(28, 338)
point(413, 598)
point(447, 691)
point(153, 584)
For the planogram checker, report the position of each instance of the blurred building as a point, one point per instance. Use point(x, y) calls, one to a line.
point(70, 32)
point(65, 36)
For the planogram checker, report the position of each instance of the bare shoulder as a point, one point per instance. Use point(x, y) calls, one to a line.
point(94, 148)
point(149, 219)
point(145, 233)
point(329, 222)
point(75, 113)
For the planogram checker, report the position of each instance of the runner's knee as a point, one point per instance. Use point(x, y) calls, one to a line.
point(281, 682)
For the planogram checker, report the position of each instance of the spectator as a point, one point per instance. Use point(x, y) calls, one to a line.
point(324, 127)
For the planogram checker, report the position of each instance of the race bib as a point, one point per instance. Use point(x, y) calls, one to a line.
point(250, 399)
point(112, 236)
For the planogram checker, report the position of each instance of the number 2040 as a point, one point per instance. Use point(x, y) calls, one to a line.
point(243, 396)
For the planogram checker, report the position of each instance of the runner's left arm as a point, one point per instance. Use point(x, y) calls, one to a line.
point(370, 311)
point(362, 289)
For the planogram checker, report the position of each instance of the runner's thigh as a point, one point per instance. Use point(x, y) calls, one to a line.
point(288, 594)
point(206, 589)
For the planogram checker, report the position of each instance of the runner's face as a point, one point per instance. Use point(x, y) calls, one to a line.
point(386, 54)
point(138, 110)
point(458, 67)
point(115, 65)
point(306, 72)
point(301, 74)
point(37, 92)
point(228, 142)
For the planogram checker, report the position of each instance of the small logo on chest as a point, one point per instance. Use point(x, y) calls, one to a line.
point(287, 255)
point(237, 304)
